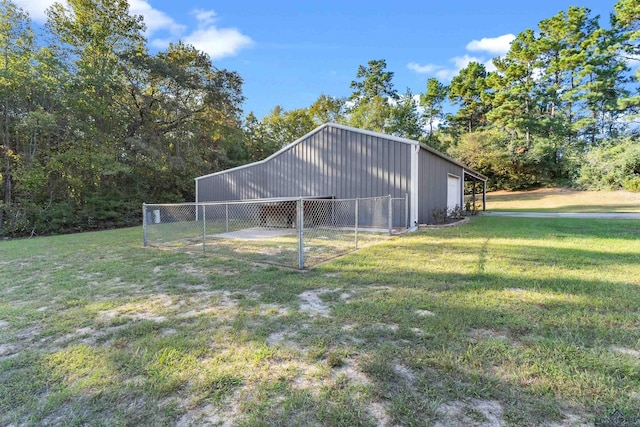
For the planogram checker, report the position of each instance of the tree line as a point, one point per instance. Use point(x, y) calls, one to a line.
point(93, 123)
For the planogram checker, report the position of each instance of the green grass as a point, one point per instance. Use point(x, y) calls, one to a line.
point(529, 321)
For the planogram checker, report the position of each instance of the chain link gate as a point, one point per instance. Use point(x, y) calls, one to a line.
point(295, 232)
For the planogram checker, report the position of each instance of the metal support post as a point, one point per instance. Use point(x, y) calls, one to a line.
point(226, 217)
point(300, 223)
point(144, 224)
point(390, 215)
point(484, 196)
point(204, 229)
point(406, 210)
point(356, 233)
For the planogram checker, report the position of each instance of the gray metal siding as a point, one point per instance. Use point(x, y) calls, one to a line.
point(331, 162)
point(432, 185)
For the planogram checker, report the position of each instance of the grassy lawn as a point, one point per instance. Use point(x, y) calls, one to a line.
point(563, 200)
point(503, 321)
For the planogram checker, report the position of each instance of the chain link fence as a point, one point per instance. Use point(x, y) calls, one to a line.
point(295, 232)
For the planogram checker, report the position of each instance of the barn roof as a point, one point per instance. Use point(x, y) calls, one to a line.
point(467, 170)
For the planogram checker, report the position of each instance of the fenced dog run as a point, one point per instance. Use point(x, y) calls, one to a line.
point(294, 232)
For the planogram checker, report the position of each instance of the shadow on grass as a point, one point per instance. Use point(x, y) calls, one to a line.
point(536, 229)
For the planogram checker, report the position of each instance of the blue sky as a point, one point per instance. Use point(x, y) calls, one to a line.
point(290, 52)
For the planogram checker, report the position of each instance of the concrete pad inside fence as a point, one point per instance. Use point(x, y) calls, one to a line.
point(256, 233)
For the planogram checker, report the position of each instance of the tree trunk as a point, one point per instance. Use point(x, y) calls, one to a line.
point(6, 174)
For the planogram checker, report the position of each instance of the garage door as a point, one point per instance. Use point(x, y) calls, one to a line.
point(453, 192)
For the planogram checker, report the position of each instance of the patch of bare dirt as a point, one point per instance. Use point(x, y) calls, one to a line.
point(276, 338)
point(311, 303)
point(159, 307)
point(405, 372)
point(379, 413)
point(28, 333)
point(267, 250)
point(627, 351)
point(7, 350)
point(483, 334)
point(189, 269)
point(351, 370)
point(471, 413)
point(224, 271)
point(425, 313)
point(86, 335)
point(88, 276)
point(208, 415)
point(572, 420)
point(346, 296)
point(393, 327)
point(273, 310)
point(308, 377)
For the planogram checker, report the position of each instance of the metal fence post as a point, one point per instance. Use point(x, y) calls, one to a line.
point(406, 211)
point(226, 217)
point(144, 224)
point(204, 228)
point(356, 233)
point(390, 215)
point(300, 223)
point(333, 211)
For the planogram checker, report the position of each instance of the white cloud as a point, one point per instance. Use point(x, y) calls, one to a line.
point(494, 45)
point(204, 17)
point(217, 42)
point(155, 20)
point(497, 45)
point(35, 8)
point(462, 61)
point(448, 73)
point(207, 37)
point(633, 61)
point(422, 69)
point(161, 43)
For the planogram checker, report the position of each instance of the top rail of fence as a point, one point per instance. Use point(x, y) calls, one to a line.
point(267, 200)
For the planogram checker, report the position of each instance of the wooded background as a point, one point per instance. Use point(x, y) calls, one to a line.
point(93, 124)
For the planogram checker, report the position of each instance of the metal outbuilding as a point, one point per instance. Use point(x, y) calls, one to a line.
point(345, 162)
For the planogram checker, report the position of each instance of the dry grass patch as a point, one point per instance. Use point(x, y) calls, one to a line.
point(563, 200)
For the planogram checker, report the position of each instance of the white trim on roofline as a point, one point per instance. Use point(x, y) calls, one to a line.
point(372, 133)
point(352, 129)
point(277, 153)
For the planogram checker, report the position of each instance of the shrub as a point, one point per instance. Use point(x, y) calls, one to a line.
point(439, 215)
point(455, 213)
point(632, 184)
point(611, 167)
